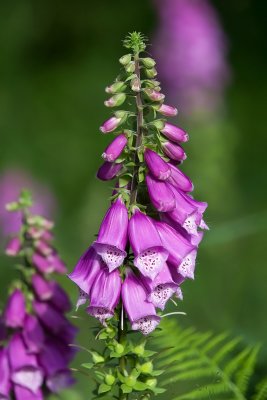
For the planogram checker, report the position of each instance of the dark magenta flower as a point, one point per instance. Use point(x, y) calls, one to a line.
point(156, 165)
point(41, 287)
point(179, 180)
point(108, 171)
point(5, 384)
point(105, 295)
point(22, 393)
point(160, 194)
point(173, 151)
point(141, 313)
point(115, 148)
point(112, 236)
point(174, 133)
point(14, 313)
point(25, 370)
point(182, 254)
point(147, 247)
point(33, 334)
point(13, 246)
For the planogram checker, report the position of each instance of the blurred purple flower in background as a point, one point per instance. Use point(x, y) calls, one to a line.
point(191, 48)
point(11, 182)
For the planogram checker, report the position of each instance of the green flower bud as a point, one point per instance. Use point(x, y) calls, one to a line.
point(130, 68)
point(116, 100)
point(158, 123)
point(97, 358)
point(151, 382)
point(116, 87)
point(139, 350)
point(151, 72)
point(148, 62)
point(124, 60)
point(130, 381)
point(147, 367)
point(110, 379)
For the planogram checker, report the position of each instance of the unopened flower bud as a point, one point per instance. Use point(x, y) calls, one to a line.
point(110, 125)
point(136, 84)
point(146, 368)
point(148, 62)
point(119, 348)
point(130, 381)
point(154, 95)
point(169, 111)
point(116, 87)
point(130, 67)
point(13, 247)
point(151, 72)
point(151, 382)
point(110, 379)
point(139, 350)
point(124, 60)
point(116, 100)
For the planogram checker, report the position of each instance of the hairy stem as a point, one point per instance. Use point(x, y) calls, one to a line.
point(139, 134)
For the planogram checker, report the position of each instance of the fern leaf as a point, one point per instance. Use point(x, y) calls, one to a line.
point(261, 392)
point(244, 374)
point(203, 359)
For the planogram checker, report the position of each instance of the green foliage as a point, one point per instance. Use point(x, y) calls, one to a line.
point(206, 366)
point(135, 41)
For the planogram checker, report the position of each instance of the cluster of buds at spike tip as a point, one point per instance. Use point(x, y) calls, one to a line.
point(147, 243)
point(35, 333)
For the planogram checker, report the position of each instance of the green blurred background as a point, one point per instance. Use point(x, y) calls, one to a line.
point(55, 60)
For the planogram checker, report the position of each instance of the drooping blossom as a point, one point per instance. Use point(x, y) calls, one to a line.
point(191, 49)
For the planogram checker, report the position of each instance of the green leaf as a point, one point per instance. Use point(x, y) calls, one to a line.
point(87, 365)
point(140, 386)
point(126, 389)
point(103, 388)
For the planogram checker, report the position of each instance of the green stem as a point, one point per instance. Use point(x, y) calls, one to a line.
point(121, 336)
point(139, 135)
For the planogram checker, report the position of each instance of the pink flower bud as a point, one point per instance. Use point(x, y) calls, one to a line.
point(13, 247)
point(154, 95)
point(173, 151)
point(115, 148)
point(174, 133)
point(116, 100)
point(169, 111)
point(110, 125)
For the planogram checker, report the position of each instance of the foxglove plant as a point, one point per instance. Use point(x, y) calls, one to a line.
point(147, 242)
point(34, 331)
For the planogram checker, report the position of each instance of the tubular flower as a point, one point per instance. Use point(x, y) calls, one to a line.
point(161, 288)
point(115, 148)
point(105, 295)
point(147, 243)
point(160, 194)
point(141, 312)
point(149, 252)
point(174, 133)
point(112, 236)
point(173, 151)
point(108, 171)
point(157, 166)
point(34, 315)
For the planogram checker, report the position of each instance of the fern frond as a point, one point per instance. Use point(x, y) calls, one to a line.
point(261, 391)
point(205, 365)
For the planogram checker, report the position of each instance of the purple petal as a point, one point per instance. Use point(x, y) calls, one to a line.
point(108, 170)
point(33, 334)
point(115, 148)
point(160, 194)
point(156, 165)
point(4, 374)
point(14, 313)
point(141, 313)
point(86, 270)
point(22, 393)
point(179, 180)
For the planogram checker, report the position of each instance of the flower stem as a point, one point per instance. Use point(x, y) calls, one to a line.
point(122, 362)
point(139, 134)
